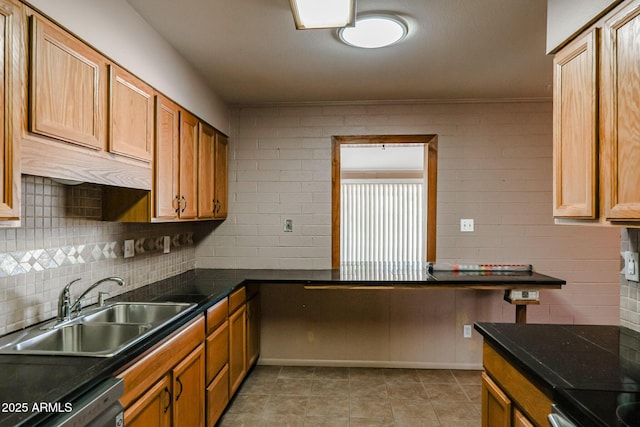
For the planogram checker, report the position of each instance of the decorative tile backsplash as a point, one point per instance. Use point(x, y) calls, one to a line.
point(62, 238)
point(21, 262)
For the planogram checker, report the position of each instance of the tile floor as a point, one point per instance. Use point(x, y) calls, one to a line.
point(350, 397)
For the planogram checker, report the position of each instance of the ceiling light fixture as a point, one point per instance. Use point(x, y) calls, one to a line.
point(310, 14)
point(373, 31)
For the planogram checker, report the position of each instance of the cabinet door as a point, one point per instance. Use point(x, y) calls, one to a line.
point(217, 396)
point(221, 162)
point(130, 115)
point(188, 389)
point(11, 28)
point(520, 419)
point(188, 165)
point(153, 408)
point(253, 330)
point(575, 129)
point(237, 348)
point(166, 163)
point(621, 107)
point(206, 140)
point(496, 406)
point(68, 87)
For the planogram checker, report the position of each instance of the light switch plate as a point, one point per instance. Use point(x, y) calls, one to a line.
point(166, 246)
point(288, 225)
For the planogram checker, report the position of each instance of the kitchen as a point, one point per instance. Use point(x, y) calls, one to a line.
point(494, 166)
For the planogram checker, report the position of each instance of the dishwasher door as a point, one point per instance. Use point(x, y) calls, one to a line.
point(99, 407)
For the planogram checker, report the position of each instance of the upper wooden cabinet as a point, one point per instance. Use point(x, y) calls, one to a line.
point(575, 129)
point(206, 177)
point(167, 163)
point(68, 87)
point(221, 184)
point(621, 113)
point(77, 121)
point(596, 136)
point(130, 115)
point(213, 153)
point(12, 29)
point(188, 165)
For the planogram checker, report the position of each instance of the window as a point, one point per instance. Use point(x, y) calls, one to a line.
point(383, 209)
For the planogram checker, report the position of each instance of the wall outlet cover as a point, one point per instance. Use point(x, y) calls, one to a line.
point(466, 225)
point(631, 267)
point(166, 247)
point(129, 248)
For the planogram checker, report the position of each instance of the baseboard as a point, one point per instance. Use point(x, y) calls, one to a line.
point(368, 364)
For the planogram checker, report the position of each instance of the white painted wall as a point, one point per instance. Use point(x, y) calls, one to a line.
point(114, 28)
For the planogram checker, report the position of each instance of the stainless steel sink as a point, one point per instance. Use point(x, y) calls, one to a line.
point(100, 332)
point(136, 313)
point(82, 339)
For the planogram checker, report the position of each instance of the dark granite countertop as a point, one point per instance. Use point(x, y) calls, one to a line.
point(590, 370)
point(34, 379)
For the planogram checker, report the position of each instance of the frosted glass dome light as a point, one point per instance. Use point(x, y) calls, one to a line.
point(374, 31)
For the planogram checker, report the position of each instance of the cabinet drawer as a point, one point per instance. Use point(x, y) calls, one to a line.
point(217, 314)
point(217, 350)
point(217, 396)
point(523, 393)
point(237, 298)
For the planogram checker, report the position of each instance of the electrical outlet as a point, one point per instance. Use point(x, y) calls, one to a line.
point(129, 248)
point(466, 331)
point(466, 225)
point(631, 267)
point(288, 225)
point(166, 246)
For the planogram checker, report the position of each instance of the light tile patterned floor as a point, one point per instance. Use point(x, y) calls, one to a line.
point(355, 397)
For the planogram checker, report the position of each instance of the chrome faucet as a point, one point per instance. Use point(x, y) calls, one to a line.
point(65, 308)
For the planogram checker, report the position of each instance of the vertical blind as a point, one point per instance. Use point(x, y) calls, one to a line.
point(382, 221)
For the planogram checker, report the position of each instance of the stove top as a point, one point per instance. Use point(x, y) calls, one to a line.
point(605, 407)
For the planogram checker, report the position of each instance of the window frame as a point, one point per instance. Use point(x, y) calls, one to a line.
point(430, 185)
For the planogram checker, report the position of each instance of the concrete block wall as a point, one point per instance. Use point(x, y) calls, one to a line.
point(494, 165)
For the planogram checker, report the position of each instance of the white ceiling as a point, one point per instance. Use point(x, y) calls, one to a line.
point(250, 52)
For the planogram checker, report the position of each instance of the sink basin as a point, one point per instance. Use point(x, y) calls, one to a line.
point(100, 332)
point(136, 313)
point(83, 339)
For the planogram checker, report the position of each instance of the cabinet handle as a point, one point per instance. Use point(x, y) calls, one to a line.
point(185, 204)
point(215, 205)
point(176, 203)
point(180, 384)
point(166, 408)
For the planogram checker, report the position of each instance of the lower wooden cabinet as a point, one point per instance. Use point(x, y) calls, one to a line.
point(189, 378)
point(153, 408)
point(509, 399)
point(166, 384)
point(496, 406)
point(188, 390)
point(237, 347)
